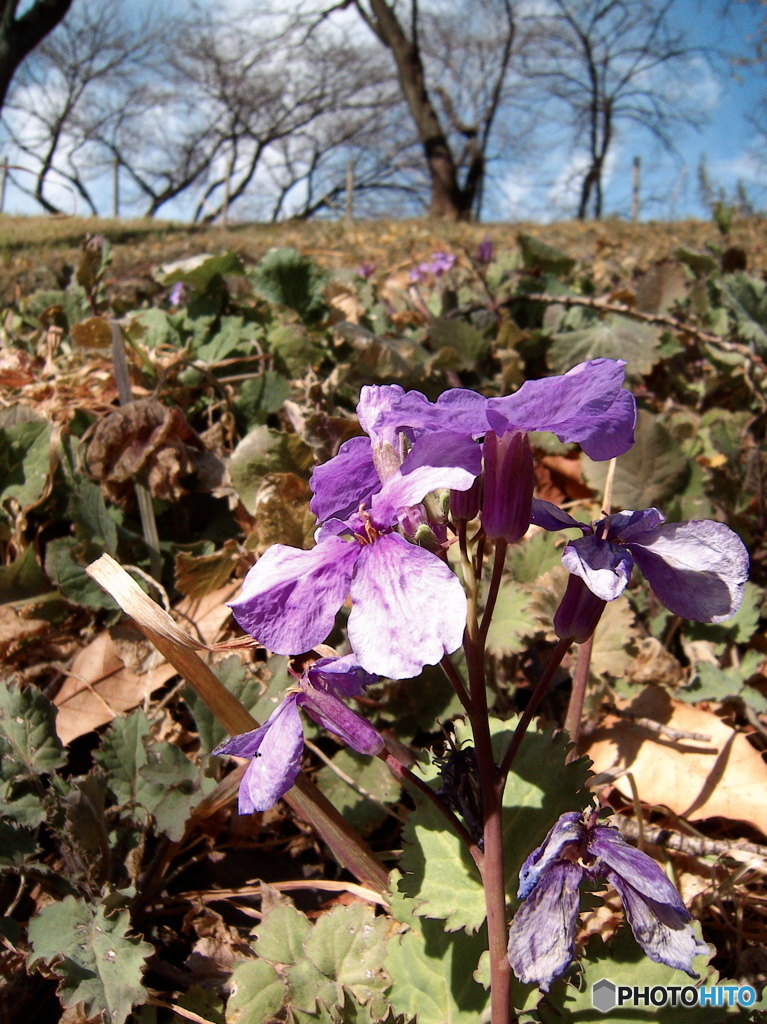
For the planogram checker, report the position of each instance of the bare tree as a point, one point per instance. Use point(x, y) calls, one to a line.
point(607, 63)
point(453, 125)
point(20, 36)
point(74, 84)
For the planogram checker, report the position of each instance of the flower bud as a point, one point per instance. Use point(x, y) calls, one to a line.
point(465, 504)
point(509, 483)
point(579, 612)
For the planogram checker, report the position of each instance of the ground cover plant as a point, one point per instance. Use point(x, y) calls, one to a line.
point(484, 429)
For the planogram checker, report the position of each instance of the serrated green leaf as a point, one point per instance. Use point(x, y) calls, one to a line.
point(286, 277)
point(122, 754)
point(233, 336)
point(511, 621)
point(612, 651)
point(281, 935)
point(533, 557)
point(347, 946)
point(307, 985)
point(432, 971)
point(257, 993)
point(737, 629)
point(467, 345)
point(170, 787)
point(24, 462)
point(264, 451)
point(614, 337)
point(648, 474)
point(155, 327)
point(17, 845)
point(540, 787)
point(28, 740)
point(259, 397)
point(372, 776)
point(747, 298)
point(98, 963)
point(294, 349)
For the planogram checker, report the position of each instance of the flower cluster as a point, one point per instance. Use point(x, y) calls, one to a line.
point(542, 934)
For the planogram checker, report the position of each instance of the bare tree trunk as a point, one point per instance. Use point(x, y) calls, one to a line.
point(19, 36)
point(635, 171)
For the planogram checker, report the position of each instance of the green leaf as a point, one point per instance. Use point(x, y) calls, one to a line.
point(170, 787)
point(259, 397)
point(540, 787)
point(739, 628)
point(22, 579)
point(459, 344)
point(24, 462)
point(155, 327)
point(537, 255)
point(511, 621)
point(65, 562)
point(533, 557)
point(612, 652)
point(122, 753)
point(347, 946)
point(204, 269)
point(432, 971)
point(372, 776)
point(295, 350)
point(281, 935)
point(648, 474)
point(28, 741)
point(615, 337)
point(98, 963)
point(286, 277)
point(17, 845)
point(88, 511)
point(257, 993)
point(747, 298)
point(264, 451)
point(233, 336)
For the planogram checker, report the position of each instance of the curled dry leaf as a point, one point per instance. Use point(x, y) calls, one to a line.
point(725, 777)
point(149, 437)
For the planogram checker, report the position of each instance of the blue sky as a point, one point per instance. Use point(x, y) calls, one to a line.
point(545, 187)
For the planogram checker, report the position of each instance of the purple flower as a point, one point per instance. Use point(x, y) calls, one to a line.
point(408, 607)
point(441, 262)
point(485, 250)
point(177, 293)
point(588, 405)
point(697, 568)
point(277, 745)
point(542, 934)
point(366, 270)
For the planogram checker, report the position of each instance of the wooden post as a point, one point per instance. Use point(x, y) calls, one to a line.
point(349, 205)
point(635, 189)
point(3, 182)
point(115, 188)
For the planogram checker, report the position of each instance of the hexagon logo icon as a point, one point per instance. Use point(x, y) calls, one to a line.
point(603, 995)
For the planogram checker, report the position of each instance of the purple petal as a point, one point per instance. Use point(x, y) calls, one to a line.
point(640, 871)
point(344, 676)
point(625, 526)
point(698, 569)
point(605, 568)
point(290, 597)
point(568, 829)
point(438, 460)
point(344, 481)
point(542, 934)
point(664, 934)
point(551, 517)
point(587, 404)
point(246, 744)
point(273, 770)
point(408, 608)
point(336, 717)
point(385, 410)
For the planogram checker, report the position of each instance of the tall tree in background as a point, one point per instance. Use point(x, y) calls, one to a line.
point(606, 63)
point(454, 146)
point(19, 36)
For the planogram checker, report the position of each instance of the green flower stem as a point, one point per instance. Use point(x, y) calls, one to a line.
point(403, 774)
point(527, 715)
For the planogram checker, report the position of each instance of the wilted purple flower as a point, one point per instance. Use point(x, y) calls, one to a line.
point(277, 745)
point(419, 273)
point(408, 607)
point(366, 270)
point(485, 250)
point(697, 568)
point(542, 934)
